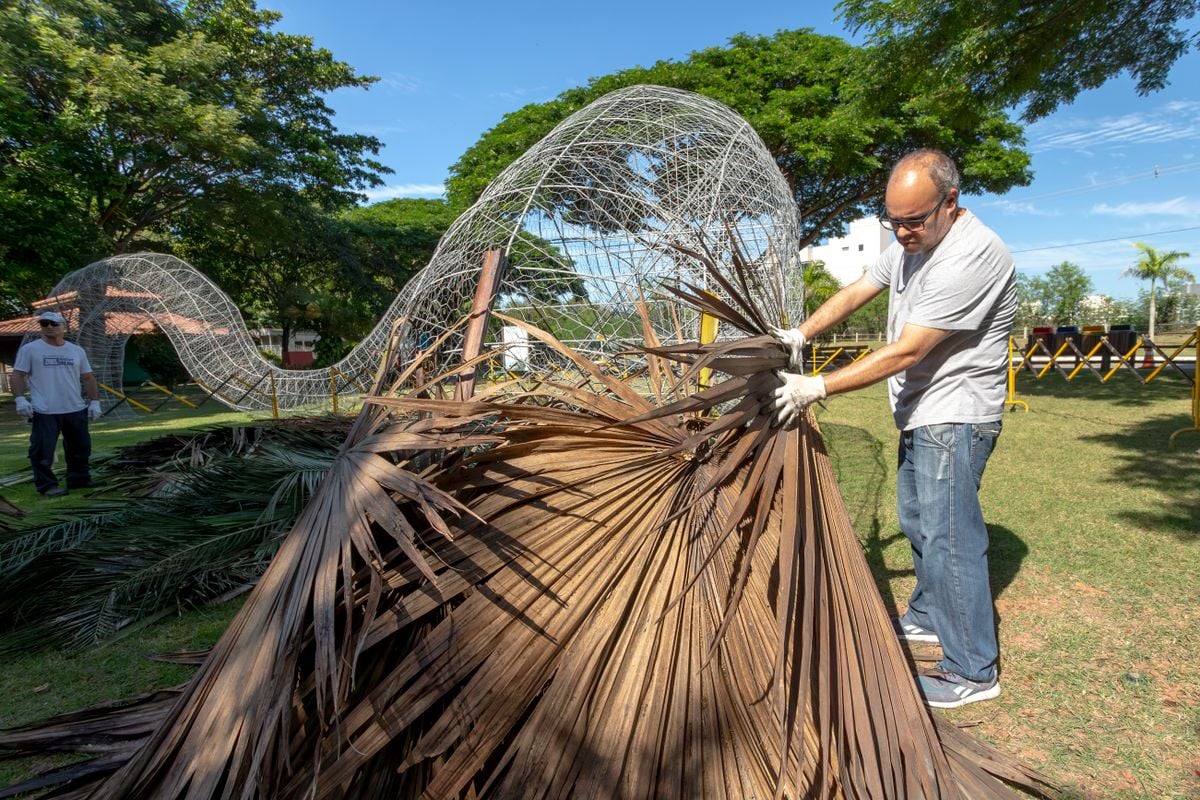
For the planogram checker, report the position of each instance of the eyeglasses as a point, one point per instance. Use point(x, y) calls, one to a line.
point(45, 323)
point(914, 224)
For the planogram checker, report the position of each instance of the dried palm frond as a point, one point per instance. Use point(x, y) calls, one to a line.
point(584, 592)
point(202, 521)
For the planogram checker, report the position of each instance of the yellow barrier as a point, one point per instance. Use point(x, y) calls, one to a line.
point(1012, 378)
point(1125, 360)
point(170, 394)
point(708, 335)
point(1195, 340)
point(816, 350)
point(1068, 349)
point(125, 397)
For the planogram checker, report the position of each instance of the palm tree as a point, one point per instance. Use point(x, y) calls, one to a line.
point(1155, 266)
point(819, 285)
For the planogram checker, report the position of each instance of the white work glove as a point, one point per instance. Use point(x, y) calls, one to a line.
point(94, 410)
point(793, 341)
point(24, 408)
point(797, 393)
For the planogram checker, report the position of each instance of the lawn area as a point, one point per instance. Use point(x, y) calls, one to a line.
point(108, 433)
point(1095, 530)
point(1095, 562)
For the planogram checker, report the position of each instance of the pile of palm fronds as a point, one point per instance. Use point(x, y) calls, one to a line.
point(578, 592)
point(186, 519)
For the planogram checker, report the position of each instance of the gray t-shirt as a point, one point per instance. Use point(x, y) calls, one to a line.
point(967, 285)
point(54, 375)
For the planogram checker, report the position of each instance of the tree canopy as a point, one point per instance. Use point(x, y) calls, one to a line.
point(833, 124)
point(122, 119)
point(1056, 298)
point(1040, 53)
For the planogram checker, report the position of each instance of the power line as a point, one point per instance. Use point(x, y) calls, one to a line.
point(1157, 172)
point(1102, 241)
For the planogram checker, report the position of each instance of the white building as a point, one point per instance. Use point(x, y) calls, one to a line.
point(848, 257)
point(302, 345)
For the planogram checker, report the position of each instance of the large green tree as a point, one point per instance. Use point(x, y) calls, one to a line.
point(1057, 297)
point(1039, 53)
point(287, 266)
point(395, 239)
point(834, 124)
point(119, 118)
point(1157, 267)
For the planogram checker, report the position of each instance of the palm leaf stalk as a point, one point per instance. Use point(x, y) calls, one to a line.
point(587, 593)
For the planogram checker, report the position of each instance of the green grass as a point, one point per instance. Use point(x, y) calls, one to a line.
point(108, 433)
point(37, 686)
point(1095, 562)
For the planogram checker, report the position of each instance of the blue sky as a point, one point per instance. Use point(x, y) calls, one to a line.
point(1110, 169)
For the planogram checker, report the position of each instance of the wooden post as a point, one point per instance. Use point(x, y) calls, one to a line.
point(274, 396)
point(494, 263)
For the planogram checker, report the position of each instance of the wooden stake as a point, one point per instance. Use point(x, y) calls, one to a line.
point(494, 263)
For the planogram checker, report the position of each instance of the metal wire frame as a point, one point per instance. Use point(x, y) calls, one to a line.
point(594, 219)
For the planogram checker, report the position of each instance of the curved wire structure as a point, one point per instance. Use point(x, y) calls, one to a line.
point(605, 209)
point(105, 300)
point(614, 202)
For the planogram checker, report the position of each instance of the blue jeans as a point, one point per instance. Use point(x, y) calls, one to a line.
point(937, 492)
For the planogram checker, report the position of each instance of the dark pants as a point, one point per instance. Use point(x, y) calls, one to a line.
point(77, 444)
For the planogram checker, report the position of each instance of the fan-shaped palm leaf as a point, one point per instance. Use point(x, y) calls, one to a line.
point(592, 594)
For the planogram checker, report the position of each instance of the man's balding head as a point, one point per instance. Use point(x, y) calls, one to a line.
point(933, 165)
point(922, 199)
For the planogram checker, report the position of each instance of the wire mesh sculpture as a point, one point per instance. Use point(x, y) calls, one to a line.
point(593, 218)
point(104, 301)
point(601, 212)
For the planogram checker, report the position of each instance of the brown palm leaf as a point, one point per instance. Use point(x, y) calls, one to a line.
point(584, 593)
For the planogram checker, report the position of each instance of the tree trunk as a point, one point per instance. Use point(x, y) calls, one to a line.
point(283, 344)
point(1153, 311)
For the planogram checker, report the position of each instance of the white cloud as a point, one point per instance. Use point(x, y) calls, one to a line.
point(1015, 207)
point(1177, 207)
point(1184, 106)
point(521, 93)
point(1171, 122)
point(400, 83)
point(405, 190)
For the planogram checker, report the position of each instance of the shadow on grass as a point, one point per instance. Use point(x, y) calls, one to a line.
point(864, 476)
point(858, 459)
point(1147, 463)
point(1122, 390)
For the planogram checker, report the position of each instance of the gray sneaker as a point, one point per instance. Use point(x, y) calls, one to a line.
point(947, 690)
point(912, 632)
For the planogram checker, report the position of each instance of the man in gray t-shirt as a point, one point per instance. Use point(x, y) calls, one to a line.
point(55, 370)
point(950, 312)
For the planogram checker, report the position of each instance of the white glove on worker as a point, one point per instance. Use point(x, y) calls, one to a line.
point(793, 341)
point(94, 410)
point(797, 393)
point(24, 408)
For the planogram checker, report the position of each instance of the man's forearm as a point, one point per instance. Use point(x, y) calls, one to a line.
point(871, 368)
point(90, 387)
point(17, 382)
point(847, 300)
